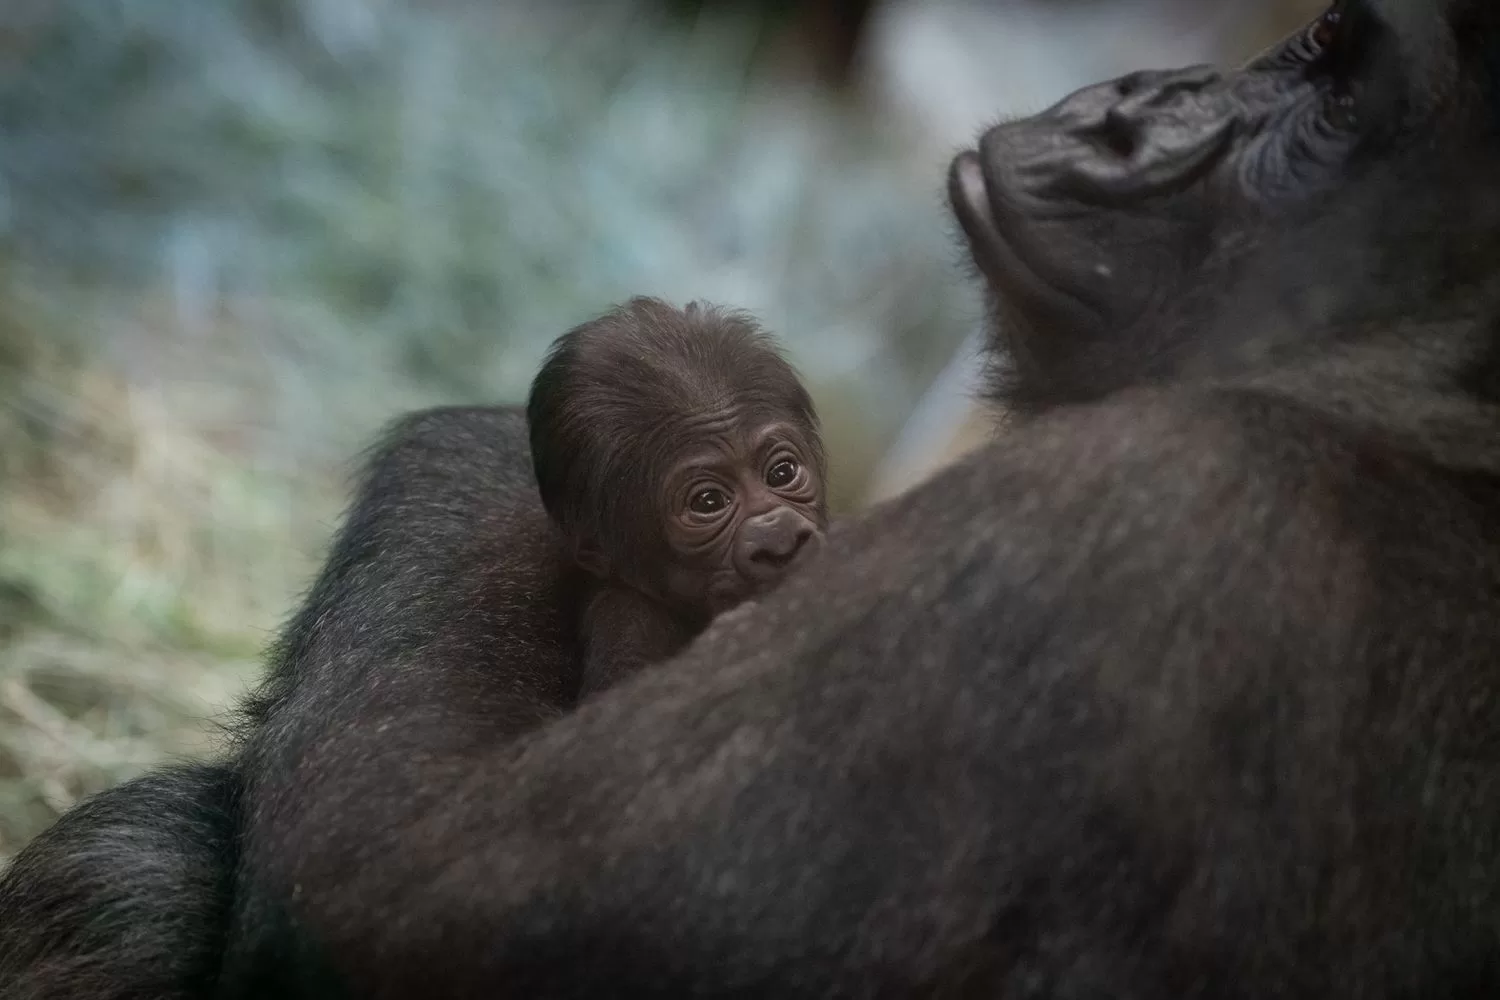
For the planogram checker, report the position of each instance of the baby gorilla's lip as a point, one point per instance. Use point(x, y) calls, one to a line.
point(728, 593)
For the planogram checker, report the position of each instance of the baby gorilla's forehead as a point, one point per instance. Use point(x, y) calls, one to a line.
point(732, 436)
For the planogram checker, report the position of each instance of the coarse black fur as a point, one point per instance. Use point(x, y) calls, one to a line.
point(127, 896)
point(632, 413)
point(445, 514)
point(440, 629)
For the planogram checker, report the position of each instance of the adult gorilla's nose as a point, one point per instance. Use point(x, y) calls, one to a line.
point(769, 543)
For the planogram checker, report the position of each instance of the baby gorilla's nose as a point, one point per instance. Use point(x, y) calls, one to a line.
point(768, 544)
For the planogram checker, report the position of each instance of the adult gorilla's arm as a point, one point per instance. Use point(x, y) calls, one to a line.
point(127, 895)
point(440, 628)
point(947, 757)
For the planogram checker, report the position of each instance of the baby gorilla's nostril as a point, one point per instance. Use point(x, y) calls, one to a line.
point(768, 545)
point(783, 550)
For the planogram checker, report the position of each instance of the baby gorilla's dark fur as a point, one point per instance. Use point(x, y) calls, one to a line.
point(679, 454)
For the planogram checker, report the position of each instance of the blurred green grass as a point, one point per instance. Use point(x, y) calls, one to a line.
point(237, 237)
point(140, 566)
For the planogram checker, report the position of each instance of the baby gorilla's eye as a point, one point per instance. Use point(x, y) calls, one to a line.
point(709, 501)
point(781, 474)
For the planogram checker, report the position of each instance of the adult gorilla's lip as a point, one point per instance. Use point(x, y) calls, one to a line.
point(971, 204)
point(1004, 257)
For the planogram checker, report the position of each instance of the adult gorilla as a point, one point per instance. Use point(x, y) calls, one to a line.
point(1185, 687)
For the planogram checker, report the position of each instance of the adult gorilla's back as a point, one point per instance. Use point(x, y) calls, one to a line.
point(1185, 687)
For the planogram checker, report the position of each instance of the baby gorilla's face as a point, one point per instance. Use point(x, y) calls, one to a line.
point(742, 503)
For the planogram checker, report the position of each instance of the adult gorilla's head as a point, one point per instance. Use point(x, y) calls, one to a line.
point(1172, 223)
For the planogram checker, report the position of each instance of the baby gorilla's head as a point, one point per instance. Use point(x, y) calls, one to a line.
point(679, 453)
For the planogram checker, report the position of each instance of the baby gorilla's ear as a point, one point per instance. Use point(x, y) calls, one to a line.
point(591, 557)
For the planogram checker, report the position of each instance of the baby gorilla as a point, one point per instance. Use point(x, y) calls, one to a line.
point(680, 456)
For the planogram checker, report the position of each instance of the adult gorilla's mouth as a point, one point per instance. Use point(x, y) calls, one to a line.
point(1002, 249)
point(971, 204)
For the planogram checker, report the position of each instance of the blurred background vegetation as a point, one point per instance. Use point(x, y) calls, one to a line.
point(237, 236)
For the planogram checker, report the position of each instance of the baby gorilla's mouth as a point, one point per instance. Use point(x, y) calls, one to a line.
point(735, 587)
point(726, 594)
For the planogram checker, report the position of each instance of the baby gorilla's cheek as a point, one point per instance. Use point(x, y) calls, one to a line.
point(696, 584)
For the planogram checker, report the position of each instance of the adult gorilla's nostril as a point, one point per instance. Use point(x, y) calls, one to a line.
point(1131, 82)
point(1118, 133)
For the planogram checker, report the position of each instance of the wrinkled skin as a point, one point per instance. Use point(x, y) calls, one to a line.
point(739, 506)
point(1185, 687)
point(680, 457)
